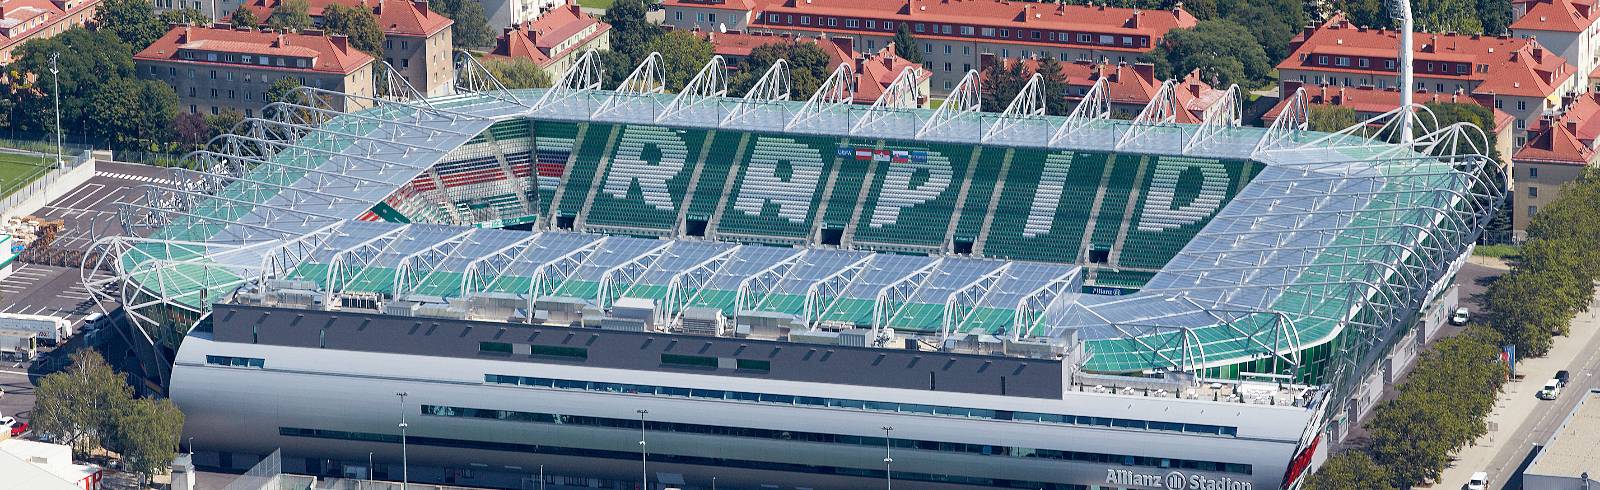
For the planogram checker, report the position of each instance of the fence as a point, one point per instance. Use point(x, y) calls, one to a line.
point(23, 189)
point(45, 146)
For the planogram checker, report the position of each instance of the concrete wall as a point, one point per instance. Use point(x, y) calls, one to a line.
point(30, 199)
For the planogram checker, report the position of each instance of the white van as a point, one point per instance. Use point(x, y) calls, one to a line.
point(1479, 481)
point(1551, 390)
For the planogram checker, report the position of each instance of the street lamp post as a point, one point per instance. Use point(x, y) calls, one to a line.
point(644, 455)
point(541, 477)
point(191, 445)
point(713, 483)
point(405, 470)
point(55, 93)
point(888, 479)
point(370, 468)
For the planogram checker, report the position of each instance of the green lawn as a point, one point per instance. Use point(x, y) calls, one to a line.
point(595, 4)
point(17, 170)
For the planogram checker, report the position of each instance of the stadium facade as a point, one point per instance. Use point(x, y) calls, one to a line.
point(775, 292)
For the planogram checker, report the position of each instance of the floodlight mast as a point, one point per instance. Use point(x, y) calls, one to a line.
point(1403, 13)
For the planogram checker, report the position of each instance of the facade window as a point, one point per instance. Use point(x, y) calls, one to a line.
point(1533, 191)
point(966, 50)
point(1005, 33)
point(888, 25)
point(832, 22)
point(213, 110)
point(1388, 64)
point(1532, 210)
point(250, 362)
point(947, 49)
point(805, 20)
point(191, 91)
point(966, 30)
point(1499, 104)
point(405, 45)
point(213, 74)
point(1521, 124)
point(919, 27)
point(927, 47)
point(193, 109)
point(944, 29)
point(773, 18)
point(213, 93)
point(1322, 60)
point(987, 32)
point(1005, 52)
point(947, 68)
point(1533, 172)
point(852, 23)
point(1341, 61)
point(871, 24)
point(1522, 105)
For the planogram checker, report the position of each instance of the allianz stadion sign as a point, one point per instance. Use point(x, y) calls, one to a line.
point(1175, 480)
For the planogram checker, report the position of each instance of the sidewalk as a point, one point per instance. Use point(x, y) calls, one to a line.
point(1515, 409)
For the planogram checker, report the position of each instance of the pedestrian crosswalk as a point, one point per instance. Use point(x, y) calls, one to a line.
point(137, 178)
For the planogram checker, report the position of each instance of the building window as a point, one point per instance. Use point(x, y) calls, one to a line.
point(966, 30)
point(919, 27)
point(405, 45)
point(1005, 33)
point(1533, 191)
point(832, 22)
point(872, 24)
point(805, 20)
point(1522, 105)
point(675, 16)
point(947, 49)
point(1322, 60)
point(888, 25)
point(1532, 210)
point(966, 50)
point(927, 47)
point(230, 361)
point(1533, 172)
point(852, 23)
point(1521, 124)
point(1388, 64)
point(1499, 104)
point(987, 32)
point(947, 68)
point(944, 29)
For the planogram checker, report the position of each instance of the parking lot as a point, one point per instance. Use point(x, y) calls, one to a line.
point(89, 211)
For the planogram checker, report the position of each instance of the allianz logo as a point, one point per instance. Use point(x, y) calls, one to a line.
point(1174, 480)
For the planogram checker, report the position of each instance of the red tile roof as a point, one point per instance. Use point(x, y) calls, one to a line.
point(874, 72)
point(998, 14)
point(22, 19)
point(396, 17)
point(1568, 138)
point(1502, 65)
point(329, 54)
point(740, 45)
point(1131, 84)
point(537, 39)
point(1557, 15)
point(1369, 101)
point(712, 4)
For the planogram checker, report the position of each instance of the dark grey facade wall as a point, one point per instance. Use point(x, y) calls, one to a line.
point(880, 368)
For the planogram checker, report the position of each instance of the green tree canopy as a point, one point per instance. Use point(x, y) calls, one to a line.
point(189, 16)
point(359, 24)
point(75, 406)
point(682, 55)
point(147, 433)
point(630, 31)
point(517, 73)
point(291, 15)
point(131, 114)
point(808, 68)
point(1330, 118)
point(905, 45)
point(88, 60)
point(1491, 17)
point(1273, 23)
point(1350, 470)
point(471, 28)
point(132, 21)
point(244, 17)
point(1224, 52)
point(1054, 86)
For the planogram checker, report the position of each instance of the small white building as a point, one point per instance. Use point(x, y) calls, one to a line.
point(43, 466)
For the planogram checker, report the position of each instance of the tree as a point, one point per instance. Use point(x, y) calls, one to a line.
point(517, 73)
point(471, 28)
point(129, 114)
point(1273, 23)
point(147, 433)
point(1330, 118)
point(186, 16)
point(1350, 470)
point(630, 31)
point(905, 46)
point(808, 67)
point(291, 15)
point(191, 129)
point(1223, 51)
point(1001, 83)
point(223, 122)
point(682, 55)
point(132, 21)
point(88, 60)
point(281, 90)
point(359, 24)
point(75, 406)
point(1054, 86)
point(244, 17)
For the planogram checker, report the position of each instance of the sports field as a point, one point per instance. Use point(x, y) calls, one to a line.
point(18, 169)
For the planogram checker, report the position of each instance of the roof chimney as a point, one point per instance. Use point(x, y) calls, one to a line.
point(184, 38)
point(1339, 99)
point(1572, 126)
point(1146, 71)
point(1538, 53)
point(340, 41)
point(421, 5)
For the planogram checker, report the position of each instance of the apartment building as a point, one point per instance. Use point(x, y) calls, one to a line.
point(503, 13)
point(1520, 76)
point(873, 72)
point(25, 20)
point(213, 69)
point(417, 40)
point(555, 40)
point(1559, 149)
point(953, 33)
point(1569, 28)
point(1129, 86)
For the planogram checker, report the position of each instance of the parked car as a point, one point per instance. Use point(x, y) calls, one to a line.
point(1564, 377)
point(17, 426)
point(1551, 390)
point(1479, 481)
point(1460, 317)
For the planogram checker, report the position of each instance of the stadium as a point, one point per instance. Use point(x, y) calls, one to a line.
point(822, 281)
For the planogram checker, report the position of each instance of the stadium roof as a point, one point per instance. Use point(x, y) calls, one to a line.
point(1338, 232)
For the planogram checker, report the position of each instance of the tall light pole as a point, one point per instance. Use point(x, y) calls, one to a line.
point(55, 92)
point(191, 445)
point(644, 455)
point(370, 475)
point(405, 470)
point(713, 483)
point(888, 480)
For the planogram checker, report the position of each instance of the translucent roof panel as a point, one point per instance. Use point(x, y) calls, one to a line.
point(680, 257)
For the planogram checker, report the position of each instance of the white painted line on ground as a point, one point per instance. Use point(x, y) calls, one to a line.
point(74, 204)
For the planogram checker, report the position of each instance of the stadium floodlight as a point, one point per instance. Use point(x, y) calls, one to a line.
point(55, 94)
